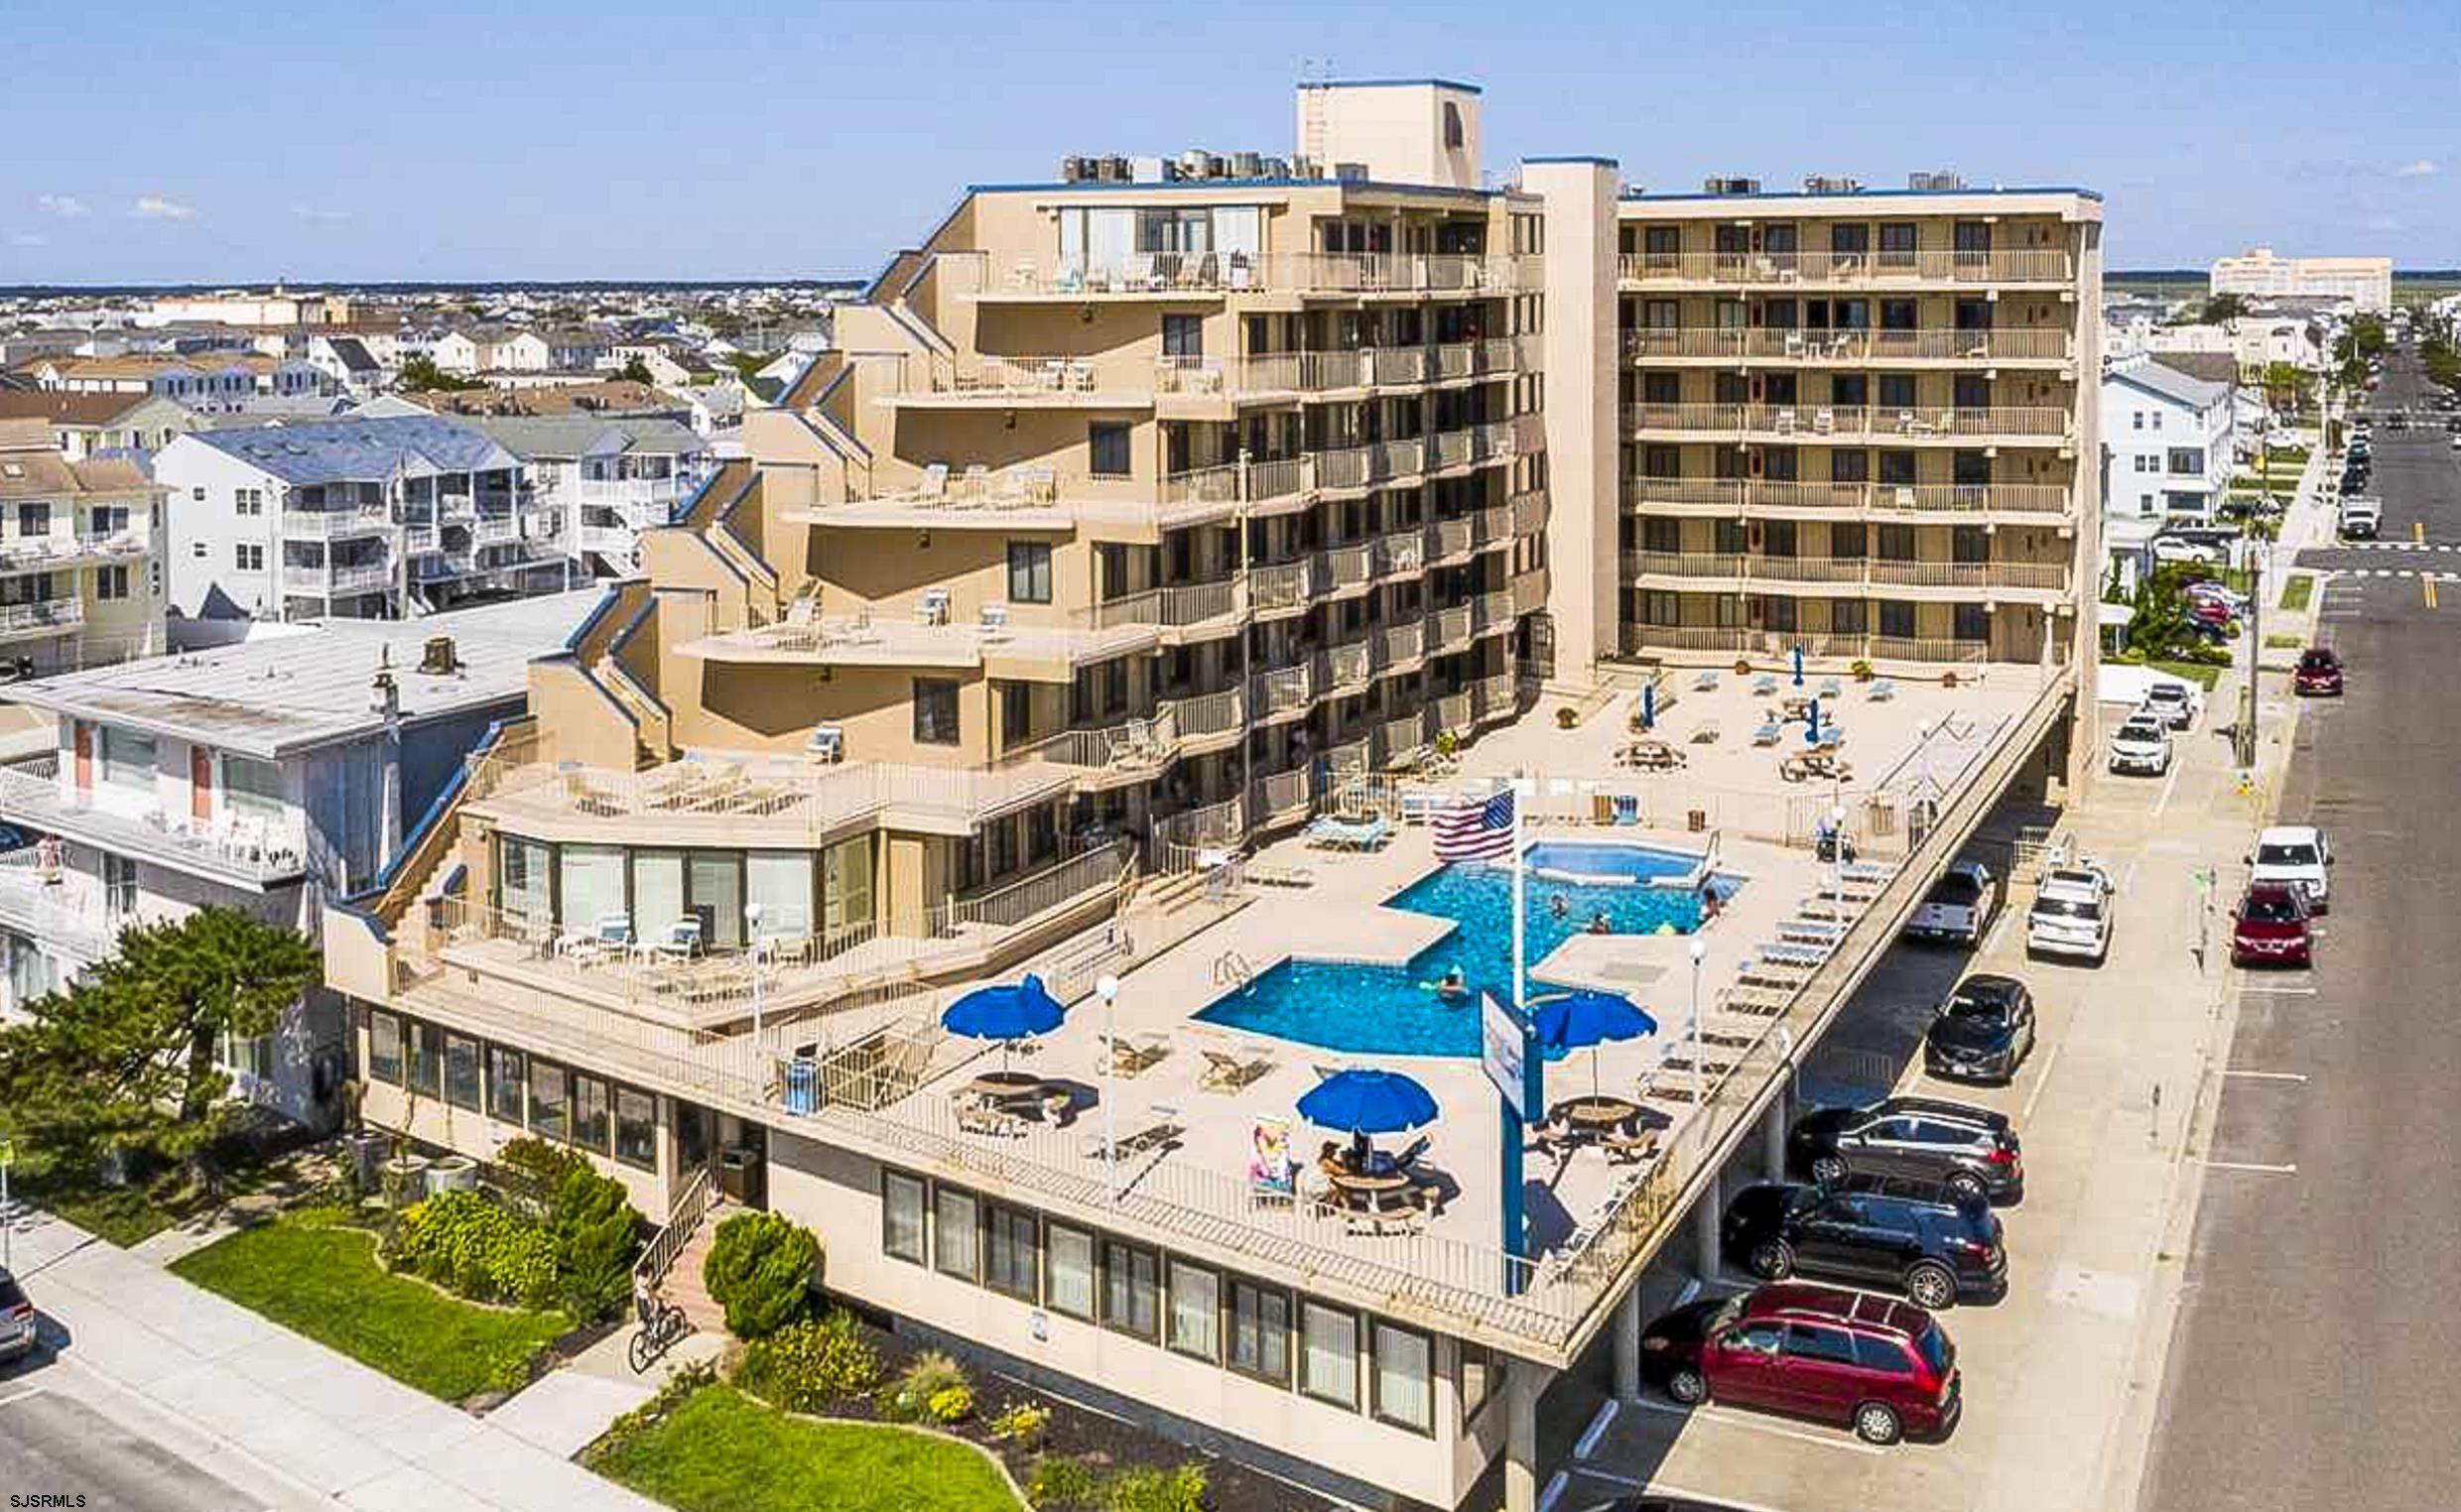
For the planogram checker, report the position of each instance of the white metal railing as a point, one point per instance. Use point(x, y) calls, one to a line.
point(1817, 344)
point(683, 1215)
point(1817, 421)
point(1925, 265)
point(1448, 538)
point(327, 523)
point(1164, 273)
point(42, 616)
point(1448, 629)
point(1400, 553)
point(722, 796)
point(1874, 571)
point(1348, 567)
point(50, 903)
point(1401, 644)
point(1284, 689)
point(1282, 586)
point(1281, 794)
point(33, 553)
point(1739, 494)
point(1067, 885)
point(1351, 666)
point(327, 577)
point(1529, 512)
point(253, 849)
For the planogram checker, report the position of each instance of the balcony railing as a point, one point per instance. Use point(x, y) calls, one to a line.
point(1401, 645)
point(1751, 344)
point(1166, 272)
point(1849, 421)
point(1070, 884)
point(1739, 495)
point(1856, 571)
point(59, 907)
point(256, 851)
point(1925, 266)
point(1282, 586)
point(42, 616)
point(37, 552)
point(326, 577)
point(1137, 745)
point(1450, 629)
point(1178, 607)
point(1285, 690)
point(1348, 567)
point(333, 524)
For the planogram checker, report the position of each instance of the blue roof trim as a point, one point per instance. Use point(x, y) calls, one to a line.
point(1596, 162)
point(685, 506)
point(1390, 83)
point(589, 621)
point(616, 646)
point(1874, 193)
point(1108, 185)
point(434, 815)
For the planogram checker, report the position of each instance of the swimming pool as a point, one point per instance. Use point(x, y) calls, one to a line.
point(1386, 1010)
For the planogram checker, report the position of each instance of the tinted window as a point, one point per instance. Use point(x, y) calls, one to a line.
point(2315, 662)
point(2286, 856)
point(2269, 909)
point(1813, 1342)
point(1893, 1129)
point(1969, 1004)
point(1759, 1338)
point(1927, 1132)
point(2068, 908)
point(1932, 1345)
point(1886, 1355)
point(1956, 887)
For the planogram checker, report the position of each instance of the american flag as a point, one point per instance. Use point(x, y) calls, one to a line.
point(1475, 831)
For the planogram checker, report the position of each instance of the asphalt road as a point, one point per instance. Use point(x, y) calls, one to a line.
point(2317, 1353)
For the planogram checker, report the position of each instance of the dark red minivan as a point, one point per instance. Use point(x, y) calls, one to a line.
point(1883, 1366)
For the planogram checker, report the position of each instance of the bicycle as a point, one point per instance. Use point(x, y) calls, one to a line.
point(662, 1323)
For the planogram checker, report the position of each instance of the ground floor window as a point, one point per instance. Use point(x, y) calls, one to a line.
point(1010, 1259)
point(590, 1114)
point(1196, 1311)
point(505, 1076)
point(901, 1217)
point(1131, 1290)
point(550, 1101)
point(636, 1128)
point(427, 1055)
point(1328, 1354)
point(1070, 1270)
point(384, 1048)
point(461, 1071)
point(954, 1244)
point(1259, 1332)
point(1405, 1372)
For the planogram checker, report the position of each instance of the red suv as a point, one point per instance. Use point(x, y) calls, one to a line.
point(1881, 1365)
point(2269, 928)
point(2318, 674)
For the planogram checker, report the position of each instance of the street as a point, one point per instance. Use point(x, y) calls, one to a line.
point(54, 1443)
point(2314, 1359)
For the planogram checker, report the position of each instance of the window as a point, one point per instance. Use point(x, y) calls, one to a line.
point(2183, 460)
point(636, 1128)
point(426, 1054)
point(1884, 1357)
point(1016, 704)
point(197, 549)
point(590, 1114)
point(1183, 335)
point(955, 1249)
point(1328, 1354)
point(1196, 1311)
point(110, 582)
point(592, 882)
point(1011, 1260)
point(127, 758)
point(248, 502)
point(934, 712)
point(1131, 1290)
point(1029, 571)
point(1259, 1332)
point(248, 556)
point(1813, 1342)
point(1405, 1363)
point(549, 1101)
point(1897, 618)
point(505, 1076)
point(1847, 616)
point(119, 886)
point(1968, 543)
point(34, 519)
point(461, 1071)
point(521, 885)
point(1071, 1263)
point(1973, 622)
point(1108, 443)
point(1846, 539)
point(384, 1048)
point(1897, 543)
point(901, 1217)
point(1477, 1373)
point(1896, 391)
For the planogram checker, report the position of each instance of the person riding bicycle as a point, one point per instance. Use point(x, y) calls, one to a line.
point(644, 1300)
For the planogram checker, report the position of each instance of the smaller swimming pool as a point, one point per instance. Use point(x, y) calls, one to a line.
point(1597, 864)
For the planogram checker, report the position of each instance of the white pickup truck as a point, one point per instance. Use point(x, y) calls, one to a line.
point(1959, 907)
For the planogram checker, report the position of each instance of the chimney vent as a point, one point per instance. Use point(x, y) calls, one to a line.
point(436, 660)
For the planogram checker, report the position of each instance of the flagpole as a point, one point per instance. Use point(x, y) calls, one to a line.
point(1520, 911)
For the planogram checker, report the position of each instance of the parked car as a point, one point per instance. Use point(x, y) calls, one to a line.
point(2176, 702)
point(2175, 548)
point(1885, 1367)
point(2230, 599)
point(2211, 611)
point(2360, 518)
point(2084, 875)
point(17, 1320)
point(1938, 1249)
point(2298, 854)
point(1959, 907)
point(1969, 1151)
point(2069, 921)
point(1984, 1031)
point(2142, 744)
point(2318, 674)
point(2269, 927)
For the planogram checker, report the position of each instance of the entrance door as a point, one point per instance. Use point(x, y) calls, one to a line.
point(691, 1137)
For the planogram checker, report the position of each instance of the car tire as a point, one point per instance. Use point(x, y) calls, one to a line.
point(1965, 1185)
point(1828, 1169)
point(1687, 1386)
point(1931, 1286)
point(1772, 1260)
point(1878, 1423)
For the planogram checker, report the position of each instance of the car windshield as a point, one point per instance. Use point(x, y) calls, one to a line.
point(1954, 888)
point(1932, 1343)
point(1726, 1313)
point(2316, 660)
point(2140, 730)
point(2165, 694)
point(2286, 856)
point(1971, 1004)
point(2268, 909)
point(2068, 908)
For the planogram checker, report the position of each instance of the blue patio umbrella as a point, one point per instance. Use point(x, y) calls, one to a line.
point(1571, 1019)
point(1811, 729)
point(1006, 1013)
point(1367, 1101)
point(1648, 706)
point(1798, 666)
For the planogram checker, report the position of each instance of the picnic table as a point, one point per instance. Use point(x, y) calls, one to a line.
point(1803, 766)
point(1653, 755)
point(1006, 1086)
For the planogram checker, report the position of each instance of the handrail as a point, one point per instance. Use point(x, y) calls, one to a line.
point(692, 1203)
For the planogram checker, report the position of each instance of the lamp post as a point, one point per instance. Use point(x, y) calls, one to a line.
point(1107, 990)
point(1700, 1072)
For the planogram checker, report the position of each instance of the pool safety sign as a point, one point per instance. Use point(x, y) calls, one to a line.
point(1504, 1052)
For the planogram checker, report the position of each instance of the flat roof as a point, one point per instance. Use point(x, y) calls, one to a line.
point(2010, 191)
point(275, 695)
point(1201, 185)
point(1390, 83)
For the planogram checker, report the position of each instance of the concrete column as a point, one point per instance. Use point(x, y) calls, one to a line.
point(1582, 358)
point(1627, 1346)
point(1705, 1219)
point(1524, 1381)
point(1773, 1135)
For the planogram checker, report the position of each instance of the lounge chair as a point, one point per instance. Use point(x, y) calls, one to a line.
point(1828, 687)
point(1705, 733)
point(1602, 808)
point(1761, 1003)
point(1769, 733)
point(1332, 832)
point(1227, 1073)
point(1865, 871)
point(1883, 691)
point(1765, 684)
point(1629, 1148)
point(1779, 953)
point(1811, 931)
point(1136, 1057)
point(1160, 1135)
point(1707, 682)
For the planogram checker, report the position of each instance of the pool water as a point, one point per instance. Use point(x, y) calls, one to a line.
point(1622, 863)
point(1383, 1010)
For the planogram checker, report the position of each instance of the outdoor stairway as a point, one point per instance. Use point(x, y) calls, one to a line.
point(683, 1285)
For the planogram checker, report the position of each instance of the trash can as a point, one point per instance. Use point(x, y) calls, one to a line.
point(803, 1086)
point(739, 1174)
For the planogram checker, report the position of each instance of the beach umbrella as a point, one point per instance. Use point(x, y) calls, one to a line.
point(1573, 1020)
point(1006, 1013)
point(1798, 666)
point(1648, 706)
point(1367, 1101)
point(1811, 729)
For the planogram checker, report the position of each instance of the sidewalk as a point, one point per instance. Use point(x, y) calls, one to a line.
point(338, 1433)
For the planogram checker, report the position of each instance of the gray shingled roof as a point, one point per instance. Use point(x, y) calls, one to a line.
point(560, 436)
point(361, 450)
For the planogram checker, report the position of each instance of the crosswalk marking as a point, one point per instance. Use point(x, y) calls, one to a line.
point(2404, 572)
point(2396, 545)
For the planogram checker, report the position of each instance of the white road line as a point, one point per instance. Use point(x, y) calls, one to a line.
point(1592, 1473)
point(2246, 989)
point(2240, 1164)
point(1716, 1498)
point(2266, 1076)
point(20, 1394)
point(2128, 880)
point(1597, 1430)
point(2041, 1081)
point(2169, 784)
point(1738, 1417)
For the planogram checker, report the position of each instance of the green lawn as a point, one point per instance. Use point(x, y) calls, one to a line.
point(722, 1451)
point(2195, 672)
point(2297, 591)
point(316, 1277)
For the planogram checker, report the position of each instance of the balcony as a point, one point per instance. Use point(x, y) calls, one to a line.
point(2019, 425)
point(41, 618)
point(336, 524)
point(60, 908)
point(862, 640)
point(1736, 497)
point(641, 501)
point(1403, 646)
point(41, 553)
point(1733, 570)
point(1818, 347)
point(1283, 691)
point(1728, 269)
point(1183, 275)
point(1649, 640)
point(1285, 587)
point(1201, 607)
point(249, 852)
point(330, 580)
point(1114, 380)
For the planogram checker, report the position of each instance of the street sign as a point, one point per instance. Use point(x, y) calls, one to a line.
point(1504, 1056)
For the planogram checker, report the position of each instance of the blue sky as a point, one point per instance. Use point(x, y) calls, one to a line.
point(340, 139)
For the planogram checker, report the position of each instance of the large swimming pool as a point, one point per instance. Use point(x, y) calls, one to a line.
point(1383, 1010)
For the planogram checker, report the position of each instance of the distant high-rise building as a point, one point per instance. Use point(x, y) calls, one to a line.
point(2365, 282)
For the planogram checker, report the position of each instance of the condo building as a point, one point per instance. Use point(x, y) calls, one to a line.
point(1136, 516)
point(81, 556)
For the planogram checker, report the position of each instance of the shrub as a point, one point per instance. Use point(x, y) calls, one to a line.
point(759, 1270)
point(951, 1405)
point(596, 1233)
point(468, 1243)
point(1150, 1490)
point(805, 1367)
point(535, 1160)
point(1022, 1424)
point(1862, 670)
point(928, 1376)
point(682, 1382)
point(1060, 1481)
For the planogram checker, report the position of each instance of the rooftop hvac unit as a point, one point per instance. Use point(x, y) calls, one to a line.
point(1934, 183)
point(1731, 185)
point(1143, 169)
point(1246, 165)
point(1305, 166)
point(1196, 162)
point(1276, 168)
point(1816, 185)
point(1112, 170)
point(1350, 173)
point(1075, 169)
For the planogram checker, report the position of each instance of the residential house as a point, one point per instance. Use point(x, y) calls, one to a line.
point(85, 425)
point(81, 554)
point(603, 479)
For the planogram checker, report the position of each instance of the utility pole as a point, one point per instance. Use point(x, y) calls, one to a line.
point(2244, 745)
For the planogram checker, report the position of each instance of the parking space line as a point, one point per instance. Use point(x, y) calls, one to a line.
point(2041, 1081)
point(20, 1394)
point(2252, 1166)
point(1607, 1411)
point(1738, 1417)
point(2248, 988)
point(1721, 1499)
point(2266, 1076)
point(2169, 784)
point(1990, 939)
point(1555, 1488)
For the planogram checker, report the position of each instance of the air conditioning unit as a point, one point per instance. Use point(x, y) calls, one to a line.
point(1938, 182)
point(1350, 173)
point(1246, 165)
point(1075, 169)
point(1724, 186)
point(825, 744)
point(933, 607)
point(1816, 185)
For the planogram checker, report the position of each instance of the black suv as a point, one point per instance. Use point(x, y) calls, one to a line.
point(1982, 1031)
point(1971, 1152)
point(1912, 1235)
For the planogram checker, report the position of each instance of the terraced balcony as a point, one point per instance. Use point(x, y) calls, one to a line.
point(1853, 270)
point(1738, 497)
point(2010, 424)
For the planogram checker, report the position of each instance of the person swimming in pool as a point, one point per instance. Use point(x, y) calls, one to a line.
point(1453, 983)
point(1600, 923)
point(1559, 905)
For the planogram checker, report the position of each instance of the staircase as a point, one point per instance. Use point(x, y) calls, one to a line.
point(683, 1285)
point(672, 1258)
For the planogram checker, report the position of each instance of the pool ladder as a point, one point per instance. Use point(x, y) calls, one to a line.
point(1231, 966)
